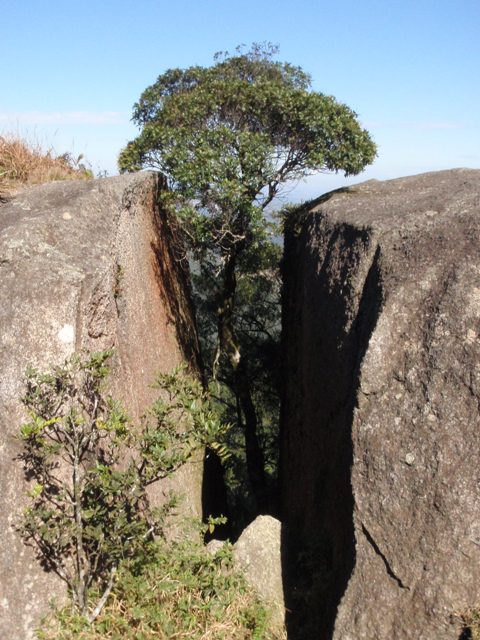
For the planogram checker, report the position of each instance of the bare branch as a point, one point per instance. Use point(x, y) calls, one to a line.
point(101, 603)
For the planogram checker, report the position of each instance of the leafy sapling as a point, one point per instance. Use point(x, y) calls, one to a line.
point(90, 469)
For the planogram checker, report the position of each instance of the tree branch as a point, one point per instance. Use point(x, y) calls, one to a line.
point(101, 603)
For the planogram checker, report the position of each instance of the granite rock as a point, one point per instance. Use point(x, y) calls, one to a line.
point(381, 424)
point(83, 265)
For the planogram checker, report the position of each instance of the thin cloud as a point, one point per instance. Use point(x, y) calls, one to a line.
point(63, 117)
point(419, 126)
point(439, 125)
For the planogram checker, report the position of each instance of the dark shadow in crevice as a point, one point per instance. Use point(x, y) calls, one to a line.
point(214, 497)
point(174, 284)
point(323, 365)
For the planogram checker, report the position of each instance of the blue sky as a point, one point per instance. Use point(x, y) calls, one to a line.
point(70, 71)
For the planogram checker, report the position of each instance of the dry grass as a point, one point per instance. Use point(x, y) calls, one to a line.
point(183, 593)
point(24, 163)
point(471, 623)
point(118, 622)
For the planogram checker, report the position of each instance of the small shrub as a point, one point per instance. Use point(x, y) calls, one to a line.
point(90, 468)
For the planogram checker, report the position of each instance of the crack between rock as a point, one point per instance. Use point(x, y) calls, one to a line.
point(388, 567)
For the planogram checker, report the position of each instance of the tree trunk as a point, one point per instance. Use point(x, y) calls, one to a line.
point(80, 580)
point(230, 347)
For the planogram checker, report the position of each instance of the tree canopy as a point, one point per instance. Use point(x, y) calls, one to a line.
point(230, 135)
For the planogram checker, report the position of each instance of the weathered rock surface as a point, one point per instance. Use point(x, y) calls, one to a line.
point(257, 555)
point(82, 265)
point(381, 426)
point(214, 546)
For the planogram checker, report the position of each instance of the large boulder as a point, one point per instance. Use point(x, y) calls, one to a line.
point(83, 265)
point(381, 424)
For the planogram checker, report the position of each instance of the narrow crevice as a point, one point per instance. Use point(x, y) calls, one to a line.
point(175, 287)
point(388, 566)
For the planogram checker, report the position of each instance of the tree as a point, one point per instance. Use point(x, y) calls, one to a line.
point(90, 511)
point(257, 330)
point(229, 137)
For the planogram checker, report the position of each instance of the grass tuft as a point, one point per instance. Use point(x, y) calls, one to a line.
point(24, 163)
point(471, 624)
point(180, 591)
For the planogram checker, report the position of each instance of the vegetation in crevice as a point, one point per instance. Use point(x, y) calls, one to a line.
point(228, 138)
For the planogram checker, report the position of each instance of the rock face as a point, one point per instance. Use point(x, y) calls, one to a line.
point(82, 265)
point(257, 555)
point(381, 426)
